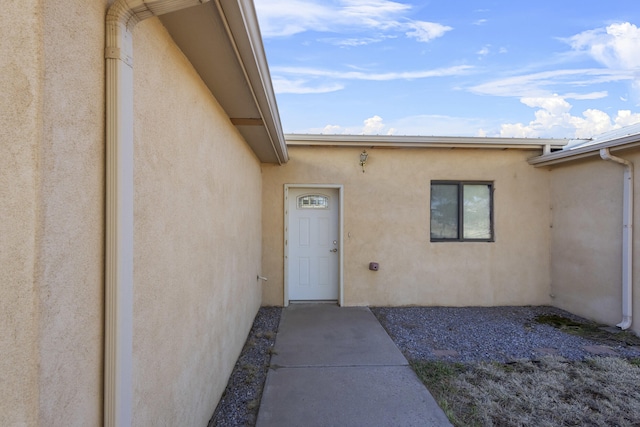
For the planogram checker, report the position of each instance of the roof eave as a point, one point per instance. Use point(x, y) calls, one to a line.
point(394, 141)
point(624, 143)
point(222, 41)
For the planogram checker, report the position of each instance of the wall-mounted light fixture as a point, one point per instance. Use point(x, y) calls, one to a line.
point(363, 159)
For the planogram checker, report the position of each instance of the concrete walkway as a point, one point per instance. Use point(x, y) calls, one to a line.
point(337, 366)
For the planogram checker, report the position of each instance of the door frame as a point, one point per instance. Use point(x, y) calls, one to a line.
point(340, 189)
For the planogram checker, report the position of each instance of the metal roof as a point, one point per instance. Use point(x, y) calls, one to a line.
point(605, 137)
point(616, 140)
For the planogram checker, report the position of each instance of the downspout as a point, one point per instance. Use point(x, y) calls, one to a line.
point(121, 18)
point(627, 238)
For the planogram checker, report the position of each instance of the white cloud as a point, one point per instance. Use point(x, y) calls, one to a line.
point(426, 31)
point(331, 129)
point(626, 118)
point(441, 125)
point(480, 22)
point(288, 17)
point(280, 18)
point(487, 49)
point(307, 80)
point(353, 42)
point(594, 123)
point(361, 75)
point(553, 119)
point(372, 13)
point(372, 126)
point(515, 130)
point(484, 51)
point(435, 125)
point(545, 83)
point(591, 95)
point(300, 86)
point(616, 46)
point(555, 105)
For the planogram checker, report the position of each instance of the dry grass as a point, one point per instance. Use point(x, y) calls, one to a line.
point(549, 392)
point(590, 330)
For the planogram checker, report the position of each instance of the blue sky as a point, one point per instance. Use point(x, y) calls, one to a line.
point(561, 68)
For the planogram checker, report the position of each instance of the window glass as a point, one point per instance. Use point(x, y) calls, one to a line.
point(461, 211)
point(444, 211)
point(313, 201)
point(476, 211)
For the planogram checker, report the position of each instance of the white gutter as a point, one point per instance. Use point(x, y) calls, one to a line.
point(122, 17)
point(406, 141)
point(627, 238)
point(585, 152)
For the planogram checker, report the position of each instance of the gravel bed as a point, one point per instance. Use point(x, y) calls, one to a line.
point(240, 401)
point(473, 334)
point(467, 334)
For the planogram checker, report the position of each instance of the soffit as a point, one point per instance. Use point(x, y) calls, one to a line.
point(222, 41)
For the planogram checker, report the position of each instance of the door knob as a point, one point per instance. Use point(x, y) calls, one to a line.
point(333, 250)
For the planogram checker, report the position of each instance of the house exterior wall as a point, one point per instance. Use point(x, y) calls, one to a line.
point(586, 239)
point(20, 132)
point(71, 251)
point(197, 238)
point(386, 213)
point(51, 248)
point(196, 184)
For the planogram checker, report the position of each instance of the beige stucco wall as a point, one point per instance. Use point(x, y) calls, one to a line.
point(20, 129)
point(197, 225)
point(386, 212)
point(51, 252)
point(197, 238)
point(586, 239)
point(71, 253)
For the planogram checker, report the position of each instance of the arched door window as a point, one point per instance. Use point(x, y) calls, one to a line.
point(313, 201)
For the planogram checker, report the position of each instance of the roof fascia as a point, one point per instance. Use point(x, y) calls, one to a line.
point(244, 31)
point(626, 142)
point(393, 141)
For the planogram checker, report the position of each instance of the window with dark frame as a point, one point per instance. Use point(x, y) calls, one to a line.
point(462, 211)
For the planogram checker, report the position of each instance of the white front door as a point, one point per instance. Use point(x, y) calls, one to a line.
point(313, 244)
